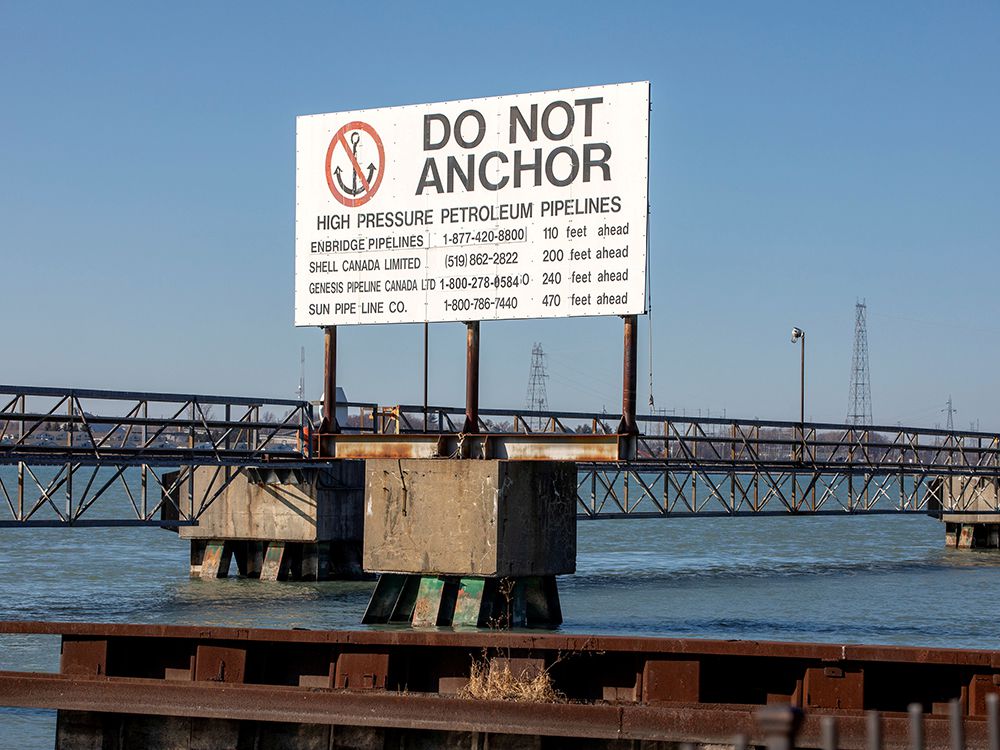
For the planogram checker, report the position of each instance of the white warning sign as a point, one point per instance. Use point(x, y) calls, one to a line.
point(525, 206)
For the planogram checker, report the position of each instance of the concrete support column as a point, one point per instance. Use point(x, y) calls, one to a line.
point(469, 543)
point(312, 562)
point(249, 558)
point(197, 555)
point(466, 602)
point(217, 558)
point(966, 536)
point(275, 562)
point(976, 535)
point(951, 534)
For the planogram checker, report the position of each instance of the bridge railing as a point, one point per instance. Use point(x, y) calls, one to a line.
point(61, 450)
point(66, 448)
point(704, 440)
point(704, 466)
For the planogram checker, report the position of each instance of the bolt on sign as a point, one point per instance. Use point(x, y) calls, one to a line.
point(524, 206)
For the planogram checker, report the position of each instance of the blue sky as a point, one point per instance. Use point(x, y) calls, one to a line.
point(802, 155)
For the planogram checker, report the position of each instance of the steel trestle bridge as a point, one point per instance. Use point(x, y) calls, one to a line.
point(85, 457)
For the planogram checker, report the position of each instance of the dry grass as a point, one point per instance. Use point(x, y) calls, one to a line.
point(495, 681)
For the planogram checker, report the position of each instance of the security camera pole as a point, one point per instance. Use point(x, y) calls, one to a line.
point(798, 333)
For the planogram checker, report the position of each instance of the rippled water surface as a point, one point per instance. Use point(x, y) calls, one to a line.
point(879, 579)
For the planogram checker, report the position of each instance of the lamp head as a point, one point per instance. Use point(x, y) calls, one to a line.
point(797, 333)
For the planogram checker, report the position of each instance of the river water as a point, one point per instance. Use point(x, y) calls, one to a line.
point(877, 579)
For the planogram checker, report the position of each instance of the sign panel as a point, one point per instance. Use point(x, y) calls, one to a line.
point(524, 206)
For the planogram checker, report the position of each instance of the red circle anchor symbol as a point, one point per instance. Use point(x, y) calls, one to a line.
point(363, 182)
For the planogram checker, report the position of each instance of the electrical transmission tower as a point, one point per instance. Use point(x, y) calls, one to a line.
point(859, 409)
point(537, 400)
point(950, 410)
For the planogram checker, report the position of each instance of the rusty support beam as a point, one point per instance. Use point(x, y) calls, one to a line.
point(472, 378)
point(330, 381)
point(628, 423)
point(532, 446)
point(971, 660)
point(426, 353)
point(664, 689)
point(716, 724)
point(832, 675)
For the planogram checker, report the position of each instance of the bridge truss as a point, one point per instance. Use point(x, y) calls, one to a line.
point(66, 452)
point(694, 466)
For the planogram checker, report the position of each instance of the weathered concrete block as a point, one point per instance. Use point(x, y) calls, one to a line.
point(470, 517)
point(301, 505)
point(967, 506)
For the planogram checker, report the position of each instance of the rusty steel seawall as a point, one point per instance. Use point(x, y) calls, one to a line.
point(182, 687)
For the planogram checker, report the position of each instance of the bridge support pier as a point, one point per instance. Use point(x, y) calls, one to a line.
point(972, 535)
point(465, 602)
point(967, 507)
point(278, 524)
point(469, 543)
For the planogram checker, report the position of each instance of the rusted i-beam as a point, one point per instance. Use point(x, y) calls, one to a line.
point(472, 378)
point(330, 381)
point(628, 424)
point(426, 348)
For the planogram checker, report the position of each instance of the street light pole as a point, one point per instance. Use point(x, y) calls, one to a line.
point(802, 383)
point(798, 335)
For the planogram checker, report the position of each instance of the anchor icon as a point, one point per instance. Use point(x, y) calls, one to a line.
point(362, 187)
point(354, 189)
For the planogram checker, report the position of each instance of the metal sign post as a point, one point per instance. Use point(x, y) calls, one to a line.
point(330, 381)
point(472, 378)
point(628, 424)
point(426, 348)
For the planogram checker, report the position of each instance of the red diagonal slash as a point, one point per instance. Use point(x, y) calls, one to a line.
point(354, 162)
point(369, 189)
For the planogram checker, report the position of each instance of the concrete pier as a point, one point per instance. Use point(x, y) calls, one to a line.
point(280, 524)
point(469, 542)
point(966, 507)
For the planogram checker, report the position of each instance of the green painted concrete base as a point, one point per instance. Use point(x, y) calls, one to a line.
point(465, 602)
point(276, 560)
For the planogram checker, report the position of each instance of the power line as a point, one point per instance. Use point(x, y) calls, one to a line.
point(859, 407)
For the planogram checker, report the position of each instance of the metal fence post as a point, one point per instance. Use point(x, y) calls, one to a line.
point(957, 726)
point(993, 720)
point(828, 732)
point(873, 724)
point(778, 724)
point(916, 726)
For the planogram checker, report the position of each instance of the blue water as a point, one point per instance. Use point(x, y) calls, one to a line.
point(878, 579)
